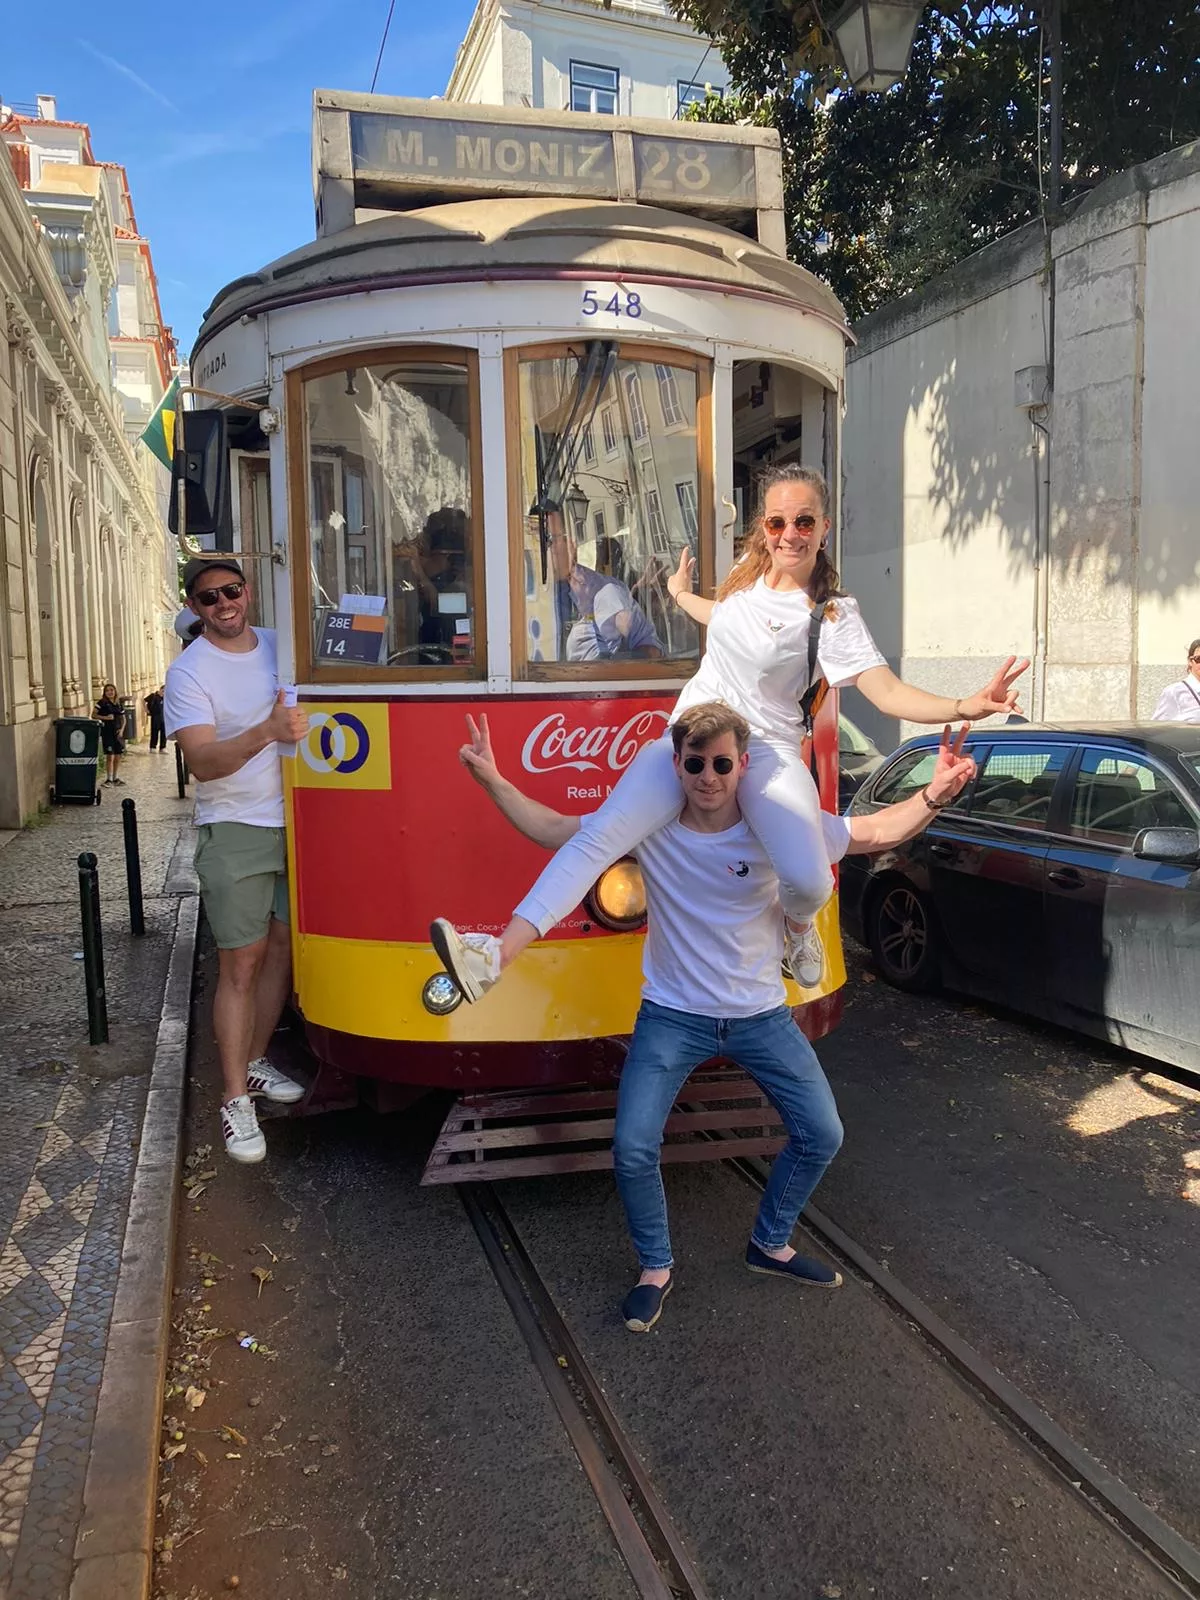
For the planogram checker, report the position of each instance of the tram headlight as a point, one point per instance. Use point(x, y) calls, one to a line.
point(617, 899)
point(441, 994)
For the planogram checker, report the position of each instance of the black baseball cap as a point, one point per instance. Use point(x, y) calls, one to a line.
point(199, 565)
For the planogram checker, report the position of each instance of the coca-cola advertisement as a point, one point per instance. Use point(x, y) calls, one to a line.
point(381, 862)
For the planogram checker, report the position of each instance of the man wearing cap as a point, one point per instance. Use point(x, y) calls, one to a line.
point(225, 707)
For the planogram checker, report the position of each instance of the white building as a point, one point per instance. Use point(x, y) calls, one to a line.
point(88, 577)
point(627, 58)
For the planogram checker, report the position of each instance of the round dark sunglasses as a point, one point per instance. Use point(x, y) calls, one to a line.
point(209, 597)
point(720, 764)
point(803, 523)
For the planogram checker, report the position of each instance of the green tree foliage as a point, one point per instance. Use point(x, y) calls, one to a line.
point(883, 191)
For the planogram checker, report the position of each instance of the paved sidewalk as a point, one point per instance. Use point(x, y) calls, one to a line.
point(72, 1117)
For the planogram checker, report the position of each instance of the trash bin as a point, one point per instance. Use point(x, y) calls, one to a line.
point(76, 756)
point(130, 708)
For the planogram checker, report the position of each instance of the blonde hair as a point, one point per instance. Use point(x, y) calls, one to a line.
point(755, 559)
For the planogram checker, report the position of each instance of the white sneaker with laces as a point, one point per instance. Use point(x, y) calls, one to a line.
point(804, 952)
point(264, 1079)
point(243, 1136)
point(471, 959)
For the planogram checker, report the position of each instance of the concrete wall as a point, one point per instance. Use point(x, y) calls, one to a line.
point(969, 533)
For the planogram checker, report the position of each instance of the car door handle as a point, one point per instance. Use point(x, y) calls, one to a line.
point(1066, 877)
point(938, 847)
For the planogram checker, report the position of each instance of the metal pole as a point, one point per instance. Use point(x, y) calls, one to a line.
point(93, 949)
point(181, 771)
point(133, 869)
point(1053, 15)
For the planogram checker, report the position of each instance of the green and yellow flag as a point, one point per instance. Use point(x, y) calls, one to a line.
point(159, 433)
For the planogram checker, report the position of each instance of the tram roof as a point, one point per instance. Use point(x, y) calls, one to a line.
point(478, 240)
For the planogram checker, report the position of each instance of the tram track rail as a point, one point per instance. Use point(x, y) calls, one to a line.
point(649, 1544)
point(1104, 1493)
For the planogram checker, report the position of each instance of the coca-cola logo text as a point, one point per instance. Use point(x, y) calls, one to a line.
point(553, 746)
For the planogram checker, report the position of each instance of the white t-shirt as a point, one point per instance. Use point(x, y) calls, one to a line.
point(230, 691)
point(1179, 702)
point(756, 656)
point(714, 925)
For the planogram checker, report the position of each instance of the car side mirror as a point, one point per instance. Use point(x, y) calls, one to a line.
point(1180, 846)
point(202, 467)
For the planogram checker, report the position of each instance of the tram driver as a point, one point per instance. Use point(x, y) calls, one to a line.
point(713, 984)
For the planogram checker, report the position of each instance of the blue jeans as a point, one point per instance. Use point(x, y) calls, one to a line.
point(666, 1046)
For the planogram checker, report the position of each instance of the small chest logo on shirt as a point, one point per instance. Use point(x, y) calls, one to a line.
point(775, 627)
point(742, 870)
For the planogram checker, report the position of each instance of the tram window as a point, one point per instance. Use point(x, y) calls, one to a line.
point(603, 536)
point(389, 516)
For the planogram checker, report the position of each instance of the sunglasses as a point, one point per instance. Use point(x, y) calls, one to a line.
point(720, 764)
point(209, 597)
point(803, 523)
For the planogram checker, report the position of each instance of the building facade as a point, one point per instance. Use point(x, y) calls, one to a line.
point(88, 586)
point(1021, 473)
point(627, 58)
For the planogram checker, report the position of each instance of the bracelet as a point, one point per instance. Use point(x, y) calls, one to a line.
point(934, 805)
point(957, 712)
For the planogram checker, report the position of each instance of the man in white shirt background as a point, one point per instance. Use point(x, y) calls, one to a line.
point(1180, 702)
point(713, 984)
point(224, 705)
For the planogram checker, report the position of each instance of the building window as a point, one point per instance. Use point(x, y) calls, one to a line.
point(598, 525)
point(668, 397)
point(685, 493)
point(637, 408)
point(695, 94)
point(609, 429)
point(594, 88)
point(589, 445)
point(656, 522)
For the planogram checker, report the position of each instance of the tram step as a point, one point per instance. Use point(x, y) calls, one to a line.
point(719, 1113)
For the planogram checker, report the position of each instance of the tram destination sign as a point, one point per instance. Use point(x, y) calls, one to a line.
point(441, 152)
point(490, 155)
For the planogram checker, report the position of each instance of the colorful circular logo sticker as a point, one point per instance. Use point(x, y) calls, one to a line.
point(342, 743)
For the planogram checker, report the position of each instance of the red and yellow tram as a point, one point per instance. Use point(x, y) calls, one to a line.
point(527, 360)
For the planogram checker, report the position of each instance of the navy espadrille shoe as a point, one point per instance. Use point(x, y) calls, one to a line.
point(801, 1269)
point(642, 1306)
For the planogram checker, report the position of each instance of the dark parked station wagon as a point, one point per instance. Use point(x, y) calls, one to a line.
point(1064, 881)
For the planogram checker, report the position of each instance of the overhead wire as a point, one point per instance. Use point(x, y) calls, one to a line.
point(693, 79)
point(382, 45)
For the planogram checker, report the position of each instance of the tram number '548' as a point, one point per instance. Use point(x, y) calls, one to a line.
point(628, 306)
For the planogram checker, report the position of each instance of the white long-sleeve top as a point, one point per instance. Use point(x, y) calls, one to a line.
point(1179, 702)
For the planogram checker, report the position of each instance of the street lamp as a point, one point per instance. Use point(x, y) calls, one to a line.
point(875, 38)
point(575, 504)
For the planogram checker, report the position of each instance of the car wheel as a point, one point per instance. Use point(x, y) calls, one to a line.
point(903, 941)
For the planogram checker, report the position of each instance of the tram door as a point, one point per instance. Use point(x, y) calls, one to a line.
point(779, 415)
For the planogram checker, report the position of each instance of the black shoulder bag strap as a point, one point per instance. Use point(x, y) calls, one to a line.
point(808, 700)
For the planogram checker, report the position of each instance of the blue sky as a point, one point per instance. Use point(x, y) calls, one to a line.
point(215, 129)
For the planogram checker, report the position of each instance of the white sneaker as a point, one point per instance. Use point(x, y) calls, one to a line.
point(804, 953)
point(471, 959)
point(243, 1136)
point(264, 1079)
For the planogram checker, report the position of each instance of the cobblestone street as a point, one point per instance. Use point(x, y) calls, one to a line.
point(72, 1115)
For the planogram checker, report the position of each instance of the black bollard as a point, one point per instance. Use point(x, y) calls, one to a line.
point(181, 771)
point(93, 949)
point(133, 869)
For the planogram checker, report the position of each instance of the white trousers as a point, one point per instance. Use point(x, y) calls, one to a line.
point(779, 801)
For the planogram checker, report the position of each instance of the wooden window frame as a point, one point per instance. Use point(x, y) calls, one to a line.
point(298, 469)
point(610, 671)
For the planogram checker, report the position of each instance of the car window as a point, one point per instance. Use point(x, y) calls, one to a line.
point(1016, 784)
point(908, 776)
point(852, 741)
point(1116, 796)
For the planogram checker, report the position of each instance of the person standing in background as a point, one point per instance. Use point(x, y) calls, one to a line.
point(111, 715)
point(1180, 702)
point(158, 727)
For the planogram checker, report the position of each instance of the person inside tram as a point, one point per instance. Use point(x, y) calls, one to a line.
point(595, 608)
point(712, 981)
point(435, 564)
point(756, 660)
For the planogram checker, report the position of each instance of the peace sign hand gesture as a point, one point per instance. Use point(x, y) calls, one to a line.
point(478, 756)
point(953, 770)
point(996, 696)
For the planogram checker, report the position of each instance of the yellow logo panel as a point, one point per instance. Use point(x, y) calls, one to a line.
point(344, 748)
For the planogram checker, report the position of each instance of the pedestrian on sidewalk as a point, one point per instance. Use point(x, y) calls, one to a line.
point(713, 981)
point(111, 715)
point(225, 707)
point(158, 727)
point(1180, 702)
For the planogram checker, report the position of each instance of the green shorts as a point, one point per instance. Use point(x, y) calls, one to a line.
point(243, 878)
